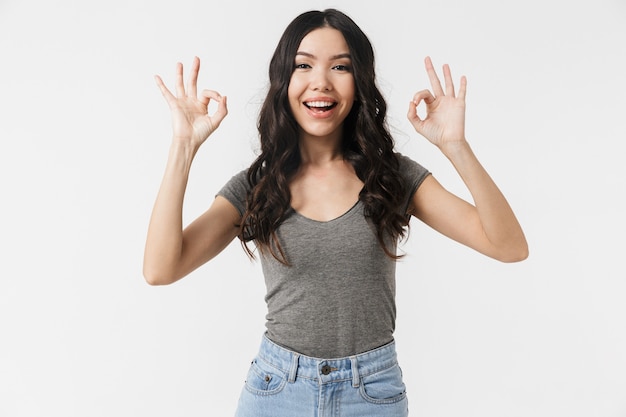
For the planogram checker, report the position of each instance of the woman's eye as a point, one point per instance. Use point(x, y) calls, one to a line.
point(302, 66)
point(341, 67)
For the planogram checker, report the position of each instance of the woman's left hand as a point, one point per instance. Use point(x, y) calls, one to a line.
point(444, 124)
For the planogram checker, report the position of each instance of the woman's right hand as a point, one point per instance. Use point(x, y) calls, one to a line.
point(191, 122)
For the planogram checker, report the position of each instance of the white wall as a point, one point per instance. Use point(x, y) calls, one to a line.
point(84, 134)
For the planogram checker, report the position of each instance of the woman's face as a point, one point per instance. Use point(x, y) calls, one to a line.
point(321, 90)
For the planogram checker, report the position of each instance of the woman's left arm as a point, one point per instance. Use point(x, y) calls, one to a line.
point(489, 226)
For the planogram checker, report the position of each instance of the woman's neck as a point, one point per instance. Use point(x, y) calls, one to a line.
point(320, 150)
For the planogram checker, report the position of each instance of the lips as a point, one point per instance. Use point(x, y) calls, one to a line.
point(320, 105)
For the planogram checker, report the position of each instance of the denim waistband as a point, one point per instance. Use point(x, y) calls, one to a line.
point(296, 365)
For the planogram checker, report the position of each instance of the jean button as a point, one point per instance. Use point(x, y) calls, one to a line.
point(326, 369)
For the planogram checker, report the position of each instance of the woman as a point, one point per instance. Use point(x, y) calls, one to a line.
point(325, 204)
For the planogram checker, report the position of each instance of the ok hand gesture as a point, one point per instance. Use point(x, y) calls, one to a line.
point(444, 124)
point(191, 123)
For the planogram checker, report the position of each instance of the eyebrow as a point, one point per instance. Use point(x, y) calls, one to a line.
point(332, 58)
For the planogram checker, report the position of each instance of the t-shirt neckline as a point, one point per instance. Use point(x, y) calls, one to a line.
point(336, 219)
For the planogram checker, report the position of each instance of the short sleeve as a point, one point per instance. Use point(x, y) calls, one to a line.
point(236, 191)
point(413, 175)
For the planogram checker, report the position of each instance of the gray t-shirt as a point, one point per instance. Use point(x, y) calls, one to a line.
point(338, 296)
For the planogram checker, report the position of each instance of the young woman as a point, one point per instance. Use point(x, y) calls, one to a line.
point(325, 204)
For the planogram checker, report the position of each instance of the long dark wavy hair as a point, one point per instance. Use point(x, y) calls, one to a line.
point(366, 144)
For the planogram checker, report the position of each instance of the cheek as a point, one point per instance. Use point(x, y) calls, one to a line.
point(296, 82)
point(348, 89)
point(294, 91)
point(353, 89)
point(293, 102)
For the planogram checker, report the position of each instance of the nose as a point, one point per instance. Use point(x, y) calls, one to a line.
point(320, 80)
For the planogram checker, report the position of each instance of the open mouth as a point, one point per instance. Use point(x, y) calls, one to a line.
point(320, 106)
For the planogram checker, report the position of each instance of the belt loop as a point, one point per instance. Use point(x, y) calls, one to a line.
point(294, 367)
point(355, 372)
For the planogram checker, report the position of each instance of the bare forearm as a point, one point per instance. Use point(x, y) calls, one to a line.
point(165, 232)
point(496, 216)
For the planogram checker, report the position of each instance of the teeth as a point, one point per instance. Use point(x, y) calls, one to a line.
point(319, 104)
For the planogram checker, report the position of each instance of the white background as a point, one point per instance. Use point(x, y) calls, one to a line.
point(84, 137)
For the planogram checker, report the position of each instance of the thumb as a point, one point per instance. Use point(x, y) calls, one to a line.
point(412, 113)
point(221, 112)
point(222, 107)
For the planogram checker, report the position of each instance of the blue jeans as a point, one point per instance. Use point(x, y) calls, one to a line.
point(282, 383)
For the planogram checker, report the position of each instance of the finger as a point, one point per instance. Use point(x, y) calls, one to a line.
point(447, 76)
point(164, 90)
point(424, 95)
point(207, 95)
point(192, 88)
point(216, 118)
point(463, 88)
point(432, 75)
point(222, 106)
point(180, 86)
point(412, 113)
point(222, 111)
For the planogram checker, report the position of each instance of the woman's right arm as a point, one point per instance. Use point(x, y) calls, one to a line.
point(171, 252)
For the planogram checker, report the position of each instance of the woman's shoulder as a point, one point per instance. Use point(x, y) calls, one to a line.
point(236, 190)
point(409, 167)
point(412, 174)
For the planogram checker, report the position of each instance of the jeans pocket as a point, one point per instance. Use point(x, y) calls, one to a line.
point(384, 387)
point(265, 379)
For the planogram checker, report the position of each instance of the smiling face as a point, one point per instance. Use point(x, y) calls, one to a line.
point(321, 90)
